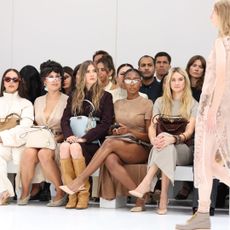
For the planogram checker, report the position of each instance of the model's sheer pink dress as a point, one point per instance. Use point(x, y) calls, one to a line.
point(212, 150)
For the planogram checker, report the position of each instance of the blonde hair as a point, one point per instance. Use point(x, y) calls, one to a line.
point(186, 99)
point(79, 93)
point(222, 9)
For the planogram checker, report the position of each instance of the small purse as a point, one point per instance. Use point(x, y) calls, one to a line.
point(80, 125)
point(10, 121)
point(40, 137)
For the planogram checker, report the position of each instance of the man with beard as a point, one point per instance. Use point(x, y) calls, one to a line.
point(150, 85)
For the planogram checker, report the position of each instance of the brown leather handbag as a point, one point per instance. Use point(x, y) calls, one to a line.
point(10, 121)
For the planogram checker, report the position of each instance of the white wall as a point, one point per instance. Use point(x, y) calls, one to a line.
point(70, 31)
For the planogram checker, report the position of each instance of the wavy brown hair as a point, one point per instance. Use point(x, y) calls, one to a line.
point(79, 93)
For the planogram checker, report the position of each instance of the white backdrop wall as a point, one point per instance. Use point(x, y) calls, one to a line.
point(70, 31)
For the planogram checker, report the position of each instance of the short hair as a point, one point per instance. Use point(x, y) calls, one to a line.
point(123, 65)
point(145, 56)
point(162, 54)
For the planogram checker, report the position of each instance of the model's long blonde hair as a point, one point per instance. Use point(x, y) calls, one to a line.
point(79, 93)
point(222, 9)
point(186, 99)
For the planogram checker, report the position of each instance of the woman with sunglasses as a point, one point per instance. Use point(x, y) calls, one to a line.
point(133, 115)
point(12, 100)
point(48, 111)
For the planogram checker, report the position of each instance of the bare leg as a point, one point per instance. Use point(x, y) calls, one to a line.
point(109, 146)
point(50, 168)
point(27, 167)
point(164, 195)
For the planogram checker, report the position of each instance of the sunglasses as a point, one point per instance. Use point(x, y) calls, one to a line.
point(52, 78)
point(9, 79)
point(131, 81)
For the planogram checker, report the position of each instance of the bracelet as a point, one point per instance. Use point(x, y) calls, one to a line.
point(185, 138)
point(177, 139)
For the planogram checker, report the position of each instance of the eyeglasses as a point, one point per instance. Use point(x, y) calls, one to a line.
point(52, 78)
point(131, 81)
point(13, 79)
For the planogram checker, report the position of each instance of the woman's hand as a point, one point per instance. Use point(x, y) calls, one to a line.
point(81, 140)
point(121, 130)
point(211, 121)
point(163, 140)
point(72, 139)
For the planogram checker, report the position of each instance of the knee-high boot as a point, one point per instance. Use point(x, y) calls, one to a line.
point(83, 196)
point(68, 174)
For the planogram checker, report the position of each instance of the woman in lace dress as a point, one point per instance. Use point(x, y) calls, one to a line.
point(212, 139)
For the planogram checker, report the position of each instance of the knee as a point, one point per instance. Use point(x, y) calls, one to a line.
point(76, 151)
point(109, 144)
point(65, 150)
point(45, 156)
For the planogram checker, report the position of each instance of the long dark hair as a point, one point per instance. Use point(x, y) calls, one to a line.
point(21, 89)
point(31, 79)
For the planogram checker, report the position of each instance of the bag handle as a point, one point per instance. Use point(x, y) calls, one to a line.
point(166, 116)
point(92, 105)
point(12, 114)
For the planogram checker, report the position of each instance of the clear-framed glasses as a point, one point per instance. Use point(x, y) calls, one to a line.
point(13, 79)
point(53, 78)
point(132, 81)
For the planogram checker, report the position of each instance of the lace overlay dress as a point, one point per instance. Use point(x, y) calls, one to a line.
point(221, 137)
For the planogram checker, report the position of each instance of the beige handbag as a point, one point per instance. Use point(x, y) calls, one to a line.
point(10, 121)
point(40, 137)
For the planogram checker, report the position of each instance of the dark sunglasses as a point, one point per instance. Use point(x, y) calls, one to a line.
point(9, 79)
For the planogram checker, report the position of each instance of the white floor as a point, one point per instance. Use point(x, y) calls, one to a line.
point(36, 216)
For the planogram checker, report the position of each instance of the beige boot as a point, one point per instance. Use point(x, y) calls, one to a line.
point(83, 196)
point(68, 175)
point(199, 221)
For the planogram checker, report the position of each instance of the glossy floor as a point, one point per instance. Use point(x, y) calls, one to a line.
point(36, 216)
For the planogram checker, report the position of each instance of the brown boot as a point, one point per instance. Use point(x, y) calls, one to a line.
point(68, 175)
point(83, 196)
point(198, 221)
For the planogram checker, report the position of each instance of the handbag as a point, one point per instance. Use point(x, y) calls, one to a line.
point(80, 125)
point(174, 125)
point(40, 137)
point(10, 121)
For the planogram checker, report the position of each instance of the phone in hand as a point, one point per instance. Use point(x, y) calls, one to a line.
point(115, 126)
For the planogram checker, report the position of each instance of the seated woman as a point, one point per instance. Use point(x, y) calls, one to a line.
point(120, 92)
point(48, 112)
point(106, 72)
point(12, 100)
point(133, 115)
point(77, 151)
point(169, 150)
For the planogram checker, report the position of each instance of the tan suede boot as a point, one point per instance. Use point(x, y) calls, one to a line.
point(83, 196)
point(199, 221)
point(68, 175)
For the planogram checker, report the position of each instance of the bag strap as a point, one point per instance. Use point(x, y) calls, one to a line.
point(12, 114)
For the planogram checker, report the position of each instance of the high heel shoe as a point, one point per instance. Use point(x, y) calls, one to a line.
point(136, 193)
point(24, 201)
point(137, 209)
point(163, 211)
point(4, 198)
point(58, 203)
point(67, 190)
